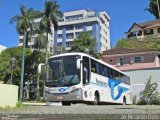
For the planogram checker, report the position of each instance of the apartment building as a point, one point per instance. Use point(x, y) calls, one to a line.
point(75, 22)
point(149, 29)
point(31, 39)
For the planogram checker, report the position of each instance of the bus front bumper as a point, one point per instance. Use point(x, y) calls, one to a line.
point(54, 97)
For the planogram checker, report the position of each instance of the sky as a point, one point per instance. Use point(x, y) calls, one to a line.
point(123, 14)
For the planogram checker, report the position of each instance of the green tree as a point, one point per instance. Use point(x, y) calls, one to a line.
point(59, 50)
point(85, 43)
point(31, 68)
point(153, 8)
point(50, 16)
point(122, 43)
point(23, 24)
point(156, 45)
point(30, 73)
point(149, 95)
point(5, 66)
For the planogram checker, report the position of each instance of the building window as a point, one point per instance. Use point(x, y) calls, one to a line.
point(89, 24)
point(138, 59)
point(121, 61)
point(75, 17)
point(69, 44)
point(77, 34)
point(79, 26)
point(59, 44)
point(148, 32)
point(70, 27)
point(59, 36)
point(69, 35)
point(90, 32)
point(60, 27)
point(158, 30)
point(20, 40)
point(137, 33)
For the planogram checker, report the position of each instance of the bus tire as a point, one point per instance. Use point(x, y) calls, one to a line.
point(124, 100)
point(96, 98)
point(65, 103)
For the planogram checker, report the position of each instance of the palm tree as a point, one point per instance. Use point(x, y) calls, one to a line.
point(153, 8)
point(40, 42)
point(50, 18)
point(23, 24)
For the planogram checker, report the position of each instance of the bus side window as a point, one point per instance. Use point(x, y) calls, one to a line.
point(93, 66)
point(102, 69)
point(98, 70)
point(86, 70)
point(111, 73)
point(106, 71)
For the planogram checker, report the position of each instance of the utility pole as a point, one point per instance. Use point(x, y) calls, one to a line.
point(158, 9)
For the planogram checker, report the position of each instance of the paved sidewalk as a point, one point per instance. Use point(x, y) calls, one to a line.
point(42, 104)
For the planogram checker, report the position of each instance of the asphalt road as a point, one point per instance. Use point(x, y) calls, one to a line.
point(82, 112)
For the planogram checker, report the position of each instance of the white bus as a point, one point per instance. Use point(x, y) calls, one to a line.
point(78, 77)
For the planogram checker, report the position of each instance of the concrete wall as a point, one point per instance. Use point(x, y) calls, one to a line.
point(140, 77)
point(8, 95)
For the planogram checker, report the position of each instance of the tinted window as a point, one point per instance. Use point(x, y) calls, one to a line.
point(93, 66)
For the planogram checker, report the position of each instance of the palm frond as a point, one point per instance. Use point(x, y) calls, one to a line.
point(15, 19)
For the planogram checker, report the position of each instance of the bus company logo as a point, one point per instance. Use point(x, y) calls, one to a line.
point(112, 85)
point(63, 89)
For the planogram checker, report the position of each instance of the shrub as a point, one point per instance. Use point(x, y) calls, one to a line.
point(149, 95)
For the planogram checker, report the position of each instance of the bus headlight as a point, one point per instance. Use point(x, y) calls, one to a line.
point(75, 90)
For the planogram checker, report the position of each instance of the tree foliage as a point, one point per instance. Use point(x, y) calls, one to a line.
point(147, 43)
point(149, 95)
point(49, 17)
point(32, 59)
point(5, 66)
point(85, 42)
point(24, 21)
point(153, 8)
point(40, 42)
point(32, 62)
point(122, 44)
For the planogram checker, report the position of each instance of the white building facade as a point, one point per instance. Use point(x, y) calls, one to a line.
point(75, 22)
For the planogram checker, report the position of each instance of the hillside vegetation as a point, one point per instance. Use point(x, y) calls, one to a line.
point(147, 43)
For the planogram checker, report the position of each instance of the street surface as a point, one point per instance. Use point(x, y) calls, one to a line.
point(82, 112)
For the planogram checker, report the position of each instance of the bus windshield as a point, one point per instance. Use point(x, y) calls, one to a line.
point(63, 71)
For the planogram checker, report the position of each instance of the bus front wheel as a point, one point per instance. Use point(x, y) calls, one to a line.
point(65, 103)
point(96, 99)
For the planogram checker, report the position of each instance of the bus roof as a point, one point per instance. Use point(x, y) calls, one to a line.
point(84, 54)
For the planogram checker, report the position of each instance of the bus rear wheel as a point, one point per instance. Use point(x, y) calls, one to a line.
point(124, 100)
point(66, 103)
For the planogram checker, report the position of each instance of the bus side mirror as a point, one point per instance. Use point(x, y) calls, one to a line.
point(78, 64)
point(40, 67)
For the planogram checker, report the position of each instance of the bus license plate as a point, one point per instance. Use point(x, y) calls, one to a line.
point(60, 97)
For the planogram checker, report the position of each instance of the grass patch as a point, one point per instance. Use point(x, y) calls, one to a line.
point(19, 105)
